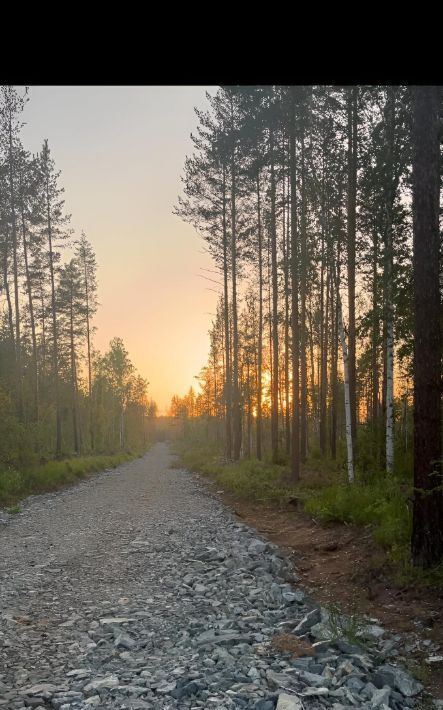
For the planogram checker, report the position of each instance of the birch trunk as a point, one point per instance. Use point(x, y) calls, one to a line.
point(389, 202)
point(348, 415)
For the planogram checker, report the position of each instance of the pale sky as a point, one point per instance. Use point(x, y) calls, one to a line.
point(121, 151)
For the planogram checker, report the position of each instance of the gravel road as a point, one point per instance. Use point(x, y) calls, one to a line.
point(139, 589)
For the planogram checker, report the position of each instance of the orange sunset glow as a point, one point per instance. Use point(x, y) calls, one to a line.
point(121, 152)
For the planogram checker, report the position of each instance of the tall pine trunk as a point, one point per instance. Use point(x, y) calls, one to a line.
point(236, 406)
point(58, 436)
point(303, 278)
point(346, 373)
point(351, 226)
point(388, 267)
point(427, 534)
point(259, 421)
point(295, 331)
point(88, 344)
point(323, 324)
point(228, 377)
point(73, 375)
point(286, 252)
point(18, 353)
point(31, 308)
point(275, 363)
point(374, 349)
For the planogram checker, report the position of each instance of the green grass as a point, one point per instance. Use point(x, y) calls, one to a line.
point(52, 475)
point(380, 502)
point(249, 478)
point(377, 501)
point(348, 626)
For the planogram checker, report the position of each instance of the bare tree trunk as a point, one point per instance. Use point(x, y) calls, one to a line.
point(58, 446)
point(88, 343)
point(427, 534)
point(286, 248)
point(334, 375)
point(275, 363)
point(31, 308)
point(18, 356)
point(312, 378)
point(121, 428)
point(8, 293)
point(374, 358)
point(73, 378)
point(235, 389)
point(348, 415)
point(324, 374)
point(389, 202)
point(43, 326)
point(352, 199)
point(260, 325)
point(334, 360)
point(303, 265)
point(228, 378)
point(249, 412)
point(323, 324)
point(295, 439)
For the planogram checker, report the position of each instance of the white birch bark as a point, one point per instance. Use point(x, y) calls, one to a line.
point(350, 452)
point(121, 428)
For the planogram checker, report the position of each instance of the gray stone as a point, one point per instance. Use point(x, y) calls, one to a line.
point(124, 641)
point(109, 681)
point(264, 705)
point(256, 547)
point(372, 632)
point(320, 631)
point(308, 621)
point(197, 610)
point(289, 702)
point(398, 679)
point(380, 697)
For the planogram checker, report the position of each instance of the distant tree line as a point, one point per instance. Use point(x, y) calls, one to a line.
point(58, 396)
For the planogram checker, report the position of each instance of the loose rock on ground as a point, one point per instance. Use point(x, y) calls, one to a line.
point(137, 589)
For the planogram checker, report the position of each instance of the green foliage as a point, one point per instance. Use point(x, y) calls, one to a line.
point(15, 441)
point(52, 475)
point(246, 478)
point(348, 626)
point(14, 510)
point(379, 502)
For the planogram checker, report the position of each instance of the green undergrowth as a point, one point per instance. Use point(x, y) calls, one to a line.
point(377, 501)
point(249, 478)
point(52, 475)
point(380, 502)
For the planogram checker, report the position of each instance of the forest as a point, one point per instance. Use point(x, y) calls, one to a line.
point(59, 396)
point(320, 207)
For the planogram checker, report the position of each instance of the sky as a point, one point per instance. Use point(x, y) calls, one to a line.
point(121, 152)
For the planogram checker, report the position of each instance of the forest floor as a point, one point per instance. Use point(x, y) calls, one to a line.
point(342, 564)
